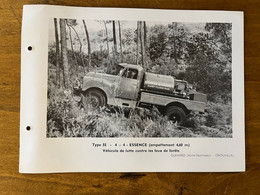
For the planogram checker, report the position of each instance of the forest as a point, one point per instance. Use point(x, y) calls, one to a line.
point(200, 53)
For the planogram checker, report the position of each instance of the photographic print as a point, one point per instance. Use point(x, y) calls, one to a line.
point(131, 90)
point(117, 78)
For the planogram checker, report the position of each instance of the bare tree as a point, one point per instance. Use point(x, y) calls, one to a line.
point(137, 42)
point(80, 47)
point(141, 33)
point(114, 35)
point(120, 40)
point(108, 61)
point(64, 53)
point(106, 36)
point(71, 44)
point(89, 48)
point(57, 53)
point(144, 44)
point(145, 36)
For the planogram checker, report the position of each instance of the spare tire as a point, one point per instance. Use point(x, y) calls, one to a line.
point(176, 114)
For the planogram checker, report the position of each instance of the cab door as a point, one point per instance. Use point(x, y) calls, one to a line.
point(128, 84)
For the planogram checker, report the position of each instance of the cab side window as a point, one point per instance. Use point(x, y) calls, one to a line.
point(130, 73)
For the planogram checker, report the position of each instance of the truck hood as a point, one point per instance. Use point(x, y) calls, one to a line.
point(102, 76)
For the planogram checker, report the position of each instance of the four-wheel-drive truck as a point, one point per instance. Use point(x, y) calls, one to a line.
point(133, 87)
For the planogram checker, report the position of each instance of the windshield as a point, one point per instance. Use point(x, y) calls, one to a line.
point(130, 73)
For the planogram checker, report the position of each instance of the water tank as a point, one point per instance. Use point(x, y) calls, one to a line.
point(158, 82)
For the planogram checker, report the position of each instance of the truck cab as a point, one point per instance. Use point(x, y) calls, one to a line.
point(129, 82)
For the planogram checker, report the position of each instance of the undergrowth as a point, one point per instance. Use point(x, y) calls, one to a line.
point(67, 118)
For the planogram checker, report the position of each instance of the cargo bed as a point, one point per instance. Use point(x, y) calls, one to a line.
point(163, 100)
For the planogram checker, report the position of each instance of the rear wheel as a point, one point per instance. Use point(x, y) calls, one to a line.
point(176, 114)
point(94, 98)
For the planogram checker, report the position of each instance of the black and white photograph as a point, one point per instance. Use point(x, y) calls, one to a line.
point(118, 78)
point(131, 90)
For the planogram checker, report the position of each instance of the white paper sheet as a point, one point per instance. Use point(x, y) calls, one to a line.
point(40, 153)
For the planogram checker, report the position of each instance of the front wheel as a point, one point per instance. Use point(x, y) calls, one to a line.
point(95, 99)
point(176, 114)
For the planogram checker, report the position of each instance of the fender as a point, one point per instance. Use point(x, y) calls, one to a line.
point(105, 85)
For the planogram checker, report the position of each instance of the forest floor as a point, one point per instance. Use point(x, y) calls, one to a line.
point(67, 118)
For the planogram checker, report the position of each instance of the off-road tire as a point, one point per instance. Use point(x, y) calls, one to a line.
point(176, 114)
point(94, 98)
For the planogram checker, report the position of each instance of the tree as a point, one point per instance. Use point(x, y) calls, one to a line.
point(221, 31)
point(69, 24)
point(221, 34)
point(128, 37)
point(174, 24)
point(158, 41)
point(106, 36)
point(177, 39)
point(145, 35)
point(89, 48)
point(137, 41)
point(114, 36)
point(64, 53)
point(108, 61)
point(208, 78)
point(141, 33)
point(145, 43)
point(120, 41)
point(57, 53)
point(208, 57)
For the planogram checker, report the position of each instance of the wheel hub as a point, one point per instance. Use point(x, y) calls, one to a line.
point(175, 118)
point(94, 101)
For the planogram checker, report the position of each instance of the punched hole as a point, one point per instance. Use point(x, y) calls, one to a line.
point(28, 128)
point(30, 48)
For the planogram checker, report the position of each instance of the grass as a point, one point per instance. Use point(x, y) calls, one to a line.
point(67, 118)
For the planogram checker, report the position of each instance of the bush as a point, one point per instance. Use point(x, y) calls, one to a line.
point(215, 122)
point(67, 118)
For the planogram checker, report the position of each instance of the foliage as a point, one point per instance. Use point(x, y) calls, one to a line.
point(67, 118)
point(215, 122)
point(212, 80)
point(177, 39)
point(157, 41)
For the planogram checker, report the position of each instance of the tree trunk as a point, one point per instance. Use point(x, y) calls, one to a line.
point(64, 53)
point(57, 53)
point(80, 49)
point(145, 36)
point(120, 39)
point(72, 48)
point(137, 43)
point(174, 25)
point(145, 43)
point(141, 42)
point(108, 61)
point(106, 37)
point(114, 35)
point(89, 48)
